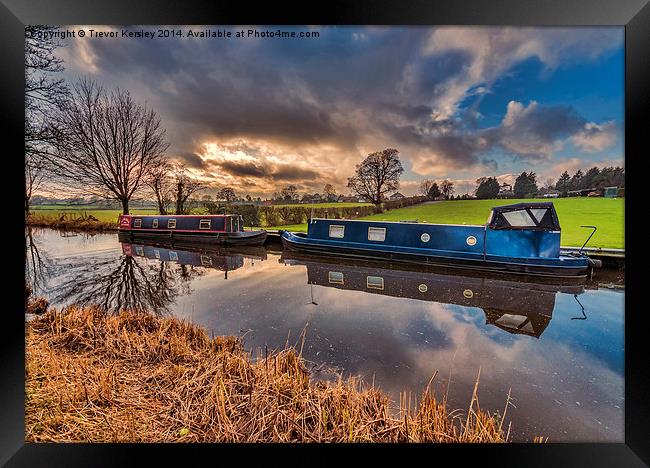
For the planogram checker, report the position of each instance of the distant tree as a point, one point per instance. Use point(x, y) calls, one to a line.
point(488, 187)
point(576, 182)
point(434, 192)
point(248, 198)
point(330, 192)
point(590, 177)
point(525, 185)
point(425, 187)
point(228, 194)
point(610, 177)
point(184, 187)
point(377, 175)
point(110, 143)
point(562, 184)
point(159, 180)
point(446, 188)
point(289, 193)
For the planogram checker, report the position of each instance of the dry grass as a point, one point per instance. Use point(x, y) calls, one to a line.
point(73, 223)
point(132, 377)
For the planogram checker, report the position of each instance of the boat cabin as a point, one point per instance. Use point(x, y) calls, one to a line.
point(183, 223)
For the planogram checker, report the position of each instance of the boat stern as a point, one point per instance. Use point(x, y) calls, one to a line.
point(124, 222)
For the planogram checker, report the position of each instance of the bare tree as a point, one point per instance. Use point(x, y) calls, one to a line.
point(44, 94)
point(425, 186)
point(377, 175)
point(446, 188)
point(289, 193)
point(110, 143)
point(159, 180)
point(330, 192)
point(227, 193)
point(184, 187)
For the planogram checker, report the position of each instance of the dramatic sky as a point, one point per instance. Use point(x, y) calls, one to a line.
point(457, 102)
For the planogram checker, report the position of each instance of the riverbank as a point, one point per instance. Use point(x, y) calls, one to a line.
point(133, 377)
point(80, 223)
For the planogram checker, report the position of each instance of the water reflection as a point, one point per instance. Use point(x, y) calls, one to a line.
point(512, 305)
point(394, 326)
point(224, 259)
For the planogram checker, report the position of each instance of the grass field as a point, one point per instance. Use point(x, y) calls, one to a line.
point(322, 205)
point(605, 213)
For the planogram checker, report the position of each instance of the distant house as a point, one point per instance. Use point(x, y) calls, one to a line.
point(396, 196)
point(584, 193)
point(551, 195)
point(505, 191)
point(610, 192)
point(349, 199)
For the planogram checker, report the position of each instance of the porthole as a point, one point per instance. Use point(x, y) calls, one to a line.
point(425, 237)
point(468, 293)
point(423, 288)
point(471, 240)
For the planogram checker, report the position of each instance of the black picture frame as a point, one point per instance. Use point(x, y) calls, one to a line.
point(634, 15)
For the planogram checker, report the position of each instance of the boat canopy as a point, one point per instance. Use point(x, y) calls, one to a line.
point(529, 216)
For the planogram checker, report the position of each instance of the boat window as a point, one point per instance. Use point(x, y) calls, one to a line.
point(335, 277)
point(154, 223)
point(173, 256)
point(139, 250)
point(137, 223)
point(538, 213)
point(376, 234)
point(206, 260)
point(171, 224)
point(204, 224)
point(374, 282)
point(156, 253)
point(337, 231)
point(519, 218)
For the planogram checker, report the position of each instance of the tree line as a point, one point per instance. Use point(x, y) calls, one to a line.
point(526, 185)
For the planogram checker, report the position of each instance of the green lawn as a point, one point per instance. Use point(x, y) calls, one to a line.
point(605, 213)
point(322, 205)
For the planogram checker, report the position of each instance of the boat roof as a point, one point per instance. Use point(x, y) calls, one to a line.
point(180, 216)
point(537, 216)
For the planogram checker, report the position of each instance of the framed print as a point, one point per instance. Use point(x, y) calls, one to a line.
point(367, 225)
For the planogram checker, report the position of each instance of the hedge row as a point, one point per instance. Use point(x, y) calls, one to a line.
point(268, 216)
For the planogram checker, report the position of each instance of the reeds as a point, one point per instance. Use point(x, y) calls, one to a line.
point(132, 377)
point(66, 222)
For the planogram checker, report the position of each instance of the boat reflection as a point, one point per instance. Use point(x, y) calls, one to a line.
point(218, 258)
point(515, 306)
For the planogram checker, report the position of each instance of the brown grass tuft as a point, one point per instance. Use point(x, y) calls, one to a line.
point(137, 378)
point(79, 223)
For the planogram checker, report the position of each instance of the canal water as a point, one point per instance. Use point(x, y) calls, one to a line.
point(558, 349)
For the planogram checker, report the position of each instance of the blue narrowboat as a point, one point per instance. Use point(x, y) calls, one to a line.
point(522, 238)
point(211, 229)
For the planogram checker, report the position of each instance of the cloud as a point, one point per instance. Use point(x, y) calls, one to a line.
point(308, 111)
point(536, 131)
point(596, 137)
point(191, 160)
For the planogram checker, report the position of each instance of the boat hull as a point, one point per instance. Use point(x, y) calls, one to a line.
point(568, 267)
point(241, 238)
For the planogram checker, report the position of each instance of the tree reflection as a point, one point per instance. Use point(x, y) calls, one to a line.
point(127, 283)
point(37, 265)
